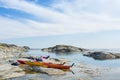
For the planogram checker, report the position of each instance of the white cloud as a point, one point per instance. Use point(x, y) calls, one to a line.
point(33, 9)
point(12, 28)
point(65, 17)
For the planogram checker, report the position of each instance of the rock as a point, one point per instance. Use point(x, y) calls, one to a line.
point(7, 71)
point(50, 71)
point(21, 55)
point(15, 64)
point(26, 47)
point(63, 49)
point(117, 56)
point(10, 50)
point(102, 55)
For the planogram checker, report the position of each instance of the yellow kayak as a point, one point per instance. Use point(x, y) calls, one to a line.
point(34, 63)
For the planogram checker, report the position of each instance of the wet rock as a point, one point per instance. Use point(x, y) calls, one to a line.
point(7, 71)
point(63, 49)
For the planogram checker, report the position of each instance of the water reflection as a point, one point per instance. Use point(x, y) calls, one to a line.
point(65, 54)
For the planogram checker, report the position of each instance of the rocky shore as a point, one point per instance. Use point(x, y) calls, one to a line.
point(12, 69)
point(8, 51)
point(8, 71)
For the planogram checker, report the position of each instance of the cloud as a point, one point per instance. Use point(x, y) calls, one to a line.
point(12, 28)
point(32, 8)
point(63, 17)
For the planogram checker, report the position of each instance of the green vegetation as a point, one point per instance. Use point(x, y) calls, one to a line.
point(7, 45)
point(12, 45)
point(4, 45)
point(26, 47)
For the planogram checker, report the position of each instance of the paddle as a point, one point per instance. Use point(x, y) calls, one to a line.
point(72, 65)
point(72, 72)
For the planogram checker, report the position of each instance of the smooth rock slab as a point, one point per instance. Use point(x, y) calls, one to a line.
point(49, 71)
point(7, 71)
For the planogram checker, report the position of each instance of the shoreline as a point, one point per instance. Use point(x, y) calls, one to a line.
point(8, 51)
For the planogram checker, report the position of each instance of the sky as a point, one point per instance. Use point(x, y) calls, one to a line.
point(42, 23)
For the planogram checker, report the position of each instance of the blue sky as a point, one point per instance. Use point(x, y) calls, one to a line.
point(86, 23)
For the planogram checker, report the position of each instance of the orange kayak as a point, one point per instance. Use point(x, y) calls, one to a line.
point(43, 64)
point(31, 63)
point(58, 66)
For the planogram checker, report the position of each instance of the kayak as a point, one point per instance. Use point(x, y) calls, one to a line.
point(58, 66)
point(34, 63)
point(21, 61)
point(44, 64)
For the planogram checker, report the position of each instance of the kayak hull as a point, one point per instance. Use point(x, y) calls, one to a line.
point(58, 66)
point(44, 64)
point(34, 63)
point(21, 61)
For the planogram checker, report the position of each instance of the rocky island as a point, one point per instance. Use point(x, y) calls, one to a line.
point(102, 55)
point(99, 55)
point(63, 49)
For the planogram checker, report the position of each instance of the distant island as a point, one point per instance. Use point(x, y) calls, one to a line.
point(63, 49)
